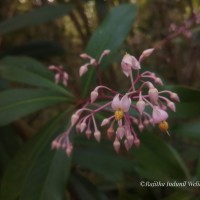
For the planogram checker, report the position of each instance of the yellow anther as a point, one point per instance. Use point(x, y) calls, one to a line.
point(119, 114)
point(164, 126)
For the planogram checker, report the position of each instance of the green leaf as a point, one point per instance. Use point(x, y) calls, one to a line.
point(179, 195)
point(83, 189)
point(35, 17)
point(100, 158)
point(110, 35)
point(29, 71)
point(198, 170)
point(189, 130)
point(158, 161)
point(37, 172)
point(36, 48)
point(17, 103)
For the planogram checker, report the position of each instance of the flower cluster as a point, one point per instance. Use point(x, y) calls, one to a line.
point(140, 106)
point(60, 74)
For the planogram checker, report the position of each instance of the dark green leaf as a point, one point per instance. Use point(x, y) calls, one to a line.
point(17, 103)
point(36, 49)
point(29, 71)
point(189, 130)
point(109, 35)
point(100, 158)
point(83, 189)
point(180, 195)
point(157, 160)
point(37, 172)
point(35, 17)
point(198, 170)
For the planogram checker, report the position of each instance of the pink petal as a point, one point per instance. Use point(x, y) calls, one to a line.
point(115, 102)
point(159, 115)
point(126, 64)
point(135, 63)
point(125, 103)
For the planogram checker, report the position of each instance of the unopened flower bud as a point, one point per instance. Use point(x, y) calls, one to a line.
point(116, 145)
point(120, 132)
point(83, 69)
point(82, 126)
point(88, 133)
point(153, 95)
point(52, 67)
point(146, 53)
point(55, 145)
point(135, 120)
point(127, 145)
point(136, 142)
point(171, 105)
point(158, 81)
point(97, 135)
point(69, 150)
point(174, 96)
point(57, 78)
point(106, 52)
point(141, 127)
point(130, 139)
point(110, 132)
point(146, 122)
point(84, 56)
point(140, 105)
point(74, 119)
point(94, 94)
point(78, 127)
point(105, 122)
point(92, 61)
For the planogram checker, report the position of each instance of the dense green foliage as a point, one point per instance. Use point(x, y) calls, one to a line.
point(31, 104)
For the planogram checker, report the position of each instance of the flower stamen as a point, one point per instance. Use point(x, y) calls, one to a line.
point(119, 114)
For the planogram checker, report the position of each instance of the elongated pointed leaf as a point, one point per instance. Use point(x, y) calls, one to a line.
point(157, 160)
point(109, 35)
point(17, 103)
point(85, 190)
point(37, 172)
point(101, 158)
point(189, 130)
point(36, 49)
point(35, 17)
point(29, 71)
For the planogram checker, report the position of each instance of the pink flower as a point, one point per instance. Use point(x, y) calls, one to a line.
point(60, 74)
point(159, 115)
point(123, 104)
point(128, 63)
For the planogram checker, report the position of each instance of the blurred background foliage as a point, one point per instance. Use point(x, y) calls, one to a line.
point(37, 33)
